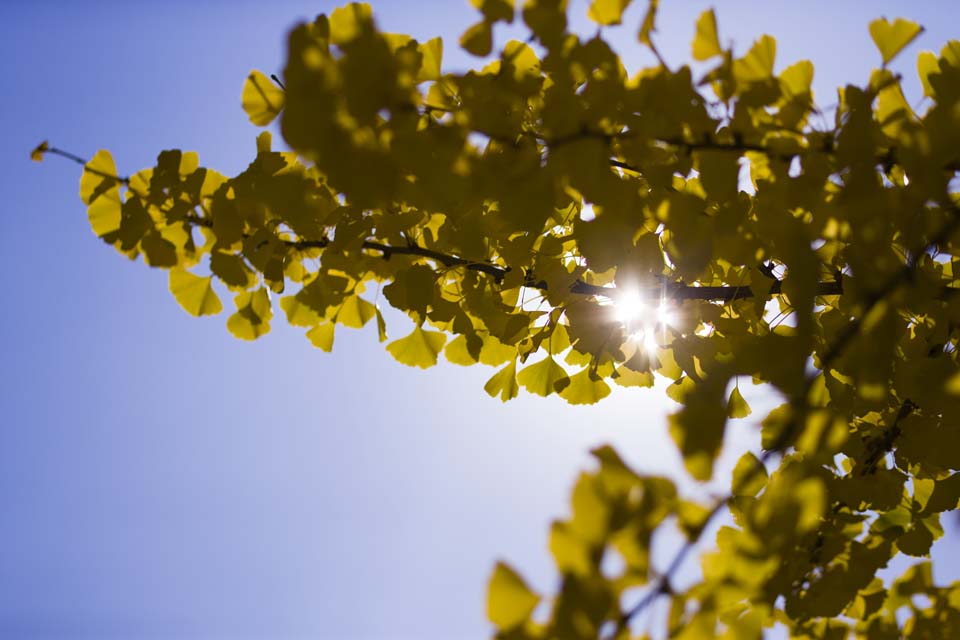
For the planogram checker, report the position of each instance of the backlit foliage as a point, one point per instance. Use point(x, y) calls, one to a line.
point(511, 210)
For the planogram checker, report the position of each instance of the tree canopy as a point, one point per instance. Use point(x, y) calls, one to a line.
point(575, 226)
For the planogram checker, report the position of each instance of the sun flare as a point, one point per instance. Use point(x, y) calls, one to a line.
point(644, 322)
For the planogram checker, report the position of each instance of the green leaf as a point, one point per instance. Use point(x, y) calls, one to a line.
point(737, 407)
point(706, 43)
point(892, 38)
point(544, 377)
point(194, 293)
point(509, 600)
point(419, 349)
point(262, 100)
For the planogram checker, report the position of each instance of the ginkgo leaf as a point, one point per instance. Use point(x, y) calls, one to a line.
point(737, 407)
point(757, 65)
point(381, 326)
point(231, 269)
point(100, 189)
point(626, 377)
point(298, 313)
point(355, 312)
point(37, 154)
point(544, 377)
point(797, 78)
point(585, 388)
point(503, 383)
point(509, 600)
point(927, 64)
point(495, 10)
point(649, 24)
point(607, 12)
point(749, 475)
point(432, 52)
point(321, 336)
point(419, 349)
point(892, 38)
point(706, 43)
point(194, 293)
point(261, 99)
point(515, 208)
point(456, 352)
point(252, 318)
point(348, 22)
point(478, 39)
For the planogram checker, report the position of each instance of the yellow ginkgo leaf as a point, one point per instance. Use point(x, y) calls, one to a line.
point(419, 349)
point(356, 312)
point(457, 352)
point(298, 313)
point(749, 476)
point(927, 63)
point(478, 39)
point(262, 100)
point(503, 383)
point(891, 38)
point(649, 24)
point(706, 43)
point(348, 22)
point(626, 377)
point(252, 318)
point(797, 79)
point(321, 336)
point(757, 65)
point(509, 600)
point(544, 377)
point(194, 293)
point(737, 407)
point(432, 52)
point(585, 388)
point(100, 189)
point(607, 12)
point(37, 154)
point(381, 326)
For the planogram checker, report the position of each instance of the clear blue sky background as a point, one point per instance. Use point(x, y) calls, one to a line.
point(159, 479)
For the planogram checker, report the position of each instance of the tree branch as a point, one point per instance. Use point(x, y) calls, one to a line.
point(789, 432)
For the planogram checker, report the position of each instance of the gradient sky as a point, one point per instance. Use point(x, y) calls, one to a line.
point(160, 479)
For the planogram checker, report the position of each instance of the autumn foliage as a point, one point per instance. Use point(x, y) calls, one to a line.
point(577, 227)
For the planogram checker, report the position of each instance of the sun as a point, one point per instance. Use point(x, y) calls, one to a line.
point(644, 322)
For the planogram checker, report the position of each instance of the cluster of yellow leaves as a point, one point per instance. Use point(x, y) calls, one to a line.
point(504, 209)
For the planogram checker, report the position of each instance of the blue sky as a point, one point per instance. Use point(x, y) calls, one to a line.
point(160, 479)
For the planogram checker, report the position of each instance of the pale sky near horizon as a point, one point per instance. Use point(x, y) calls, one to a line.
point(161, 479)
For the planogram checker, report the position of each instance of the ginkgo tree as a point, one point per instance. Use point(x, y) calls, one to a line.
point(574, 227)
